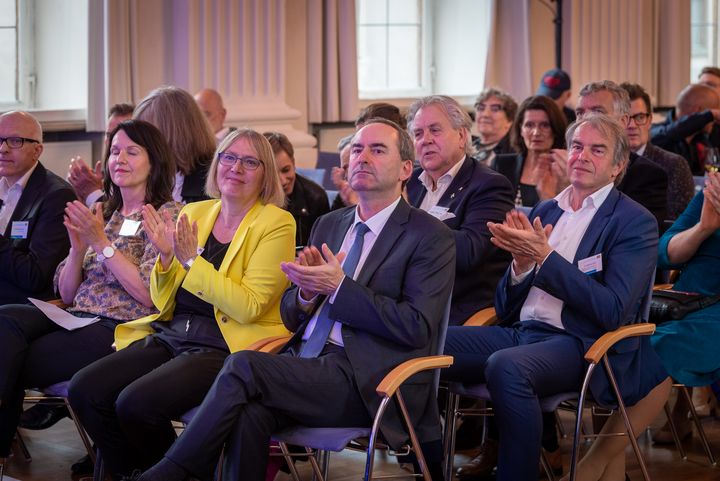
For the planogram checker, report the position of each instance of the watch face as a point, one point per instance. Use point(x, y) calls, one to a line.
point(108, 252)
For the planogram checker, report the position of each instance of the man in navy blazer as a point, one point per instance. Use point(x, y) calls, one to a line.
point(464, 194)
point(33, 239)
point(582, 267)
point(386, 311)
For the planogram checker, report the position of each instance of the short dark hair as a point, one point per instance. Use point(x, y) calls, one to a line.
point(558, 122)
point(509, 105)
point(159, 187)
point(710, 70)
point(121, 110)
point(279, 142)
point(405, 144)
point(381, 110)
point(636, 91)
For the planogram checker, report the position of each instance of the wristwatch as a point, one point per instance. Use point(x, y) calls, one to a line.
point(106, 253)
point(188, 263)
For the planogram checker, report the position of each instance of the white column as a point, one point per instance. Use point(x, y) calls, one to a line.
point(236, 47)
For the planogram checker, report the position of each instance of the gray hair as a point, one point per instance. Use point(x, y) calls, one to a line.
point(611, 130)
point(621, 99)
point(459, 118)
point(344, 142)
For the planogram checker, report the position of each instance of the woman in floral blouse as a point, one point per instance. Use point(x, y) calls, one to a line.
point(105, 276)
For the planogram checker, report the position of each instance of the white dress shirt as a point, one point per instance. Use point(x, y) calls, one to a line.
point(432, 197)
point(564, 239)
point(376, 224)
point(10, 195)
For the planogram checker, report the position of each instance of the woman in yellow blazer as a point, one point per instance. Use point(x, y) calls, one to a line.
point(217, 285)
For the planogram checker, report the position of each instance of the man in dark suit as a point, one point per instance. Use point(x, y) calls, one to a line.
point(350, 328)
point(581, 267)
point(461, 192)
point(33, 239)
point(681, 187)
point(644, 182)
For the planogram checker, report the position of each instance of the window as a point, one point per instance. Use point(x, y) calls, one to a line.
point(8, 52)
point(412, 48)
point(703, 36)
point(43, 50)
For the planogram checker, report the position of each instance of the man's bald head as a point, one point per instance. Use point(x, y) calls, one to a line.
point(696, 98)
point(26, 122)
point(211, 104)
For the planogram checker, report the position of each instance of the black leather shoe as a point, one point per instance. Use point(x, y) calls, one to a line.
point(42, 416)
point(82, 467)
point(481, 465)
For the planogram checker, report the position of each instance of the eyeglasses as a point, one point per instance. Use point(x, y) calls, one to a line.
point(641, 118)
point(16, 142)
point(248, 163)
point(494, 108)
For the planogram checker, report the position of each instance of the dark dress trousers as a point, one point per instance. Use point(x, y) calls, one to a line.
point(306, 203)
point(390, 313)
point(477, 195)
point(28, 265)
point(523, 359)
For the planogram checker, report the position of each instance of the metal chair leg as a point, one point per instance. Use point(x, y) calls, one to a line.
point(673, 431)
point(23, 447)
point(450, 428)
point(698, 425)
point(289, 461)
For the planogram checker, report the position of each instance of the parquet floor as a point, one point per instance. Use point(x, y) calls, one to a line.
point(55, 449)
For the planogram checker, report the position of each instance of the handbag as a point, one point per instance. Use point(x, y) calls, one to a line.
point(670, 305)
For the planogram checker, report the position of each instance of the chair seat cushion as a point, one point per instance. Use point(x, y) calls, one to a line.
point(327, 439)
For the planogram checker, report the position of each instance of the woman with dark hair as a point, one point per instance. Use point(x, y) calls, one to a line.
point(106, 274)
point(192, 144)
point(217, 286)
point(538, 134)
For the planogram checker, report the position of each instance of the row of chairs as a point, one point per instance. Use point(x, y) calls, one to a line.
point(318, 442)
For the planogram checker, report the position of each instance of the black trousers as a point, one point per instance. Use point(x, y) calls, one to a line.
point(257, 394)
point(127, 400)
point(36, 352)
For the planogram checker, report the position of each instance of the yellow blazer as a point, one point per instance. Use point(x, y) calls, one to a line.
point(247, 288)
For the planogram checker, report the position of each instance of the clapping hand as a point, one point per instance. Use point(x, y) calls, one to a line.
point(85, 228)
point(185, 240)
point(160, 230)
point(710, 214)
point(315, 273)
point(528, 243)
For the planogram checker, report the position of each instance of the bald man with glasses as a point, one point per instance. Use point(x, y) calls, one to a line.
point(33, 239)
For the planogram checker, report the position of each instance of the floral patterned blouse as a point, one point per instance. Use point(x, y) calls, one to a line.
point(100, 293)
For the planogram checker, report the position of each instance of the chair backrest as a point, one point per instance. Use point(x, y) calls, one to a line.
point(316, 175)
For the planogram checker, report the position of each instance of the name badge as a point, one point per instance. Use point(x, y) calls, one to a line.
point(440, 213)
point(129, 227)
point(590, 265)
point(19, 230)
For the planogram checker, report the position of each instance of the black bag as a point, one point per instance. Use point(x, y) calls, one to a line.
point(669, 305)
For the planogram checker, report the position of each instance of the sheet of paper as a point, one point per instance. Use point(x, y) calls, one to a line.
point(61, 317)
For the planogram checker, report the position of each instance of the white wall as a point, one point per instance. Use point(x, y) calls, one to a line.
point(61, 54)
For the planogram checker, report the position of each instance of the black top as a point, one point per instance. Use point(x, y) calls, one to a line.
point(193, 325)
point(306, 203)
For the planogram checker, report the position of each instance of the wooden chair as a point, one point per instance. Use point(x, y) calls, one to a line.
point(319, 440)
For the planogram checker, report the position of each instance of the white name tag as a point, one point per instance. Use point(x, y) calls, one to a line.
point(440, 213)
point(19, 230)
point(590, 265)
point(129, 227)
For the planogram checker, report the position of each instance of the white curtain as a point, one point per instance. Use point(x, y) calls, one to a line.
point(110, 58)
point(332, 61)
point(508, 60)
point(641, 41)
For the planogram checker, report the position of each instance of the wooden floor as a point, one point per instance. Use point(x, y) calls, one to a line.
point(55, 449)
